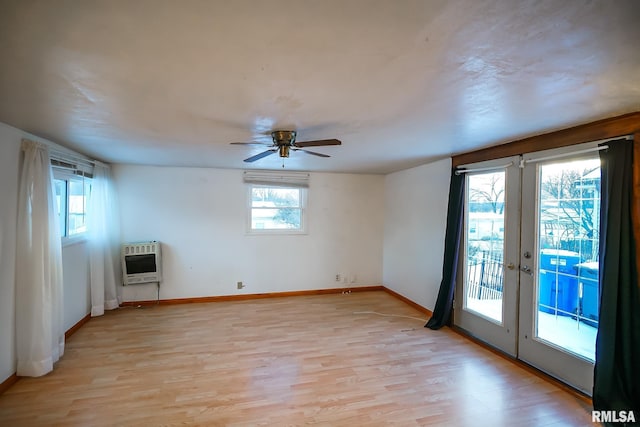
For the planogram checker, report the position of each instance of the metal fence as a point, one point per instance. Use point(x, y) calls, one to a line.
point(485, 276)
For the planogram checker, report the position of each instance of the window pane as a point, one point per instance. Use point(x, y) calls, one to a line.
point(276, 208)
point(77, 207)
point(61, 202)
point(276, 219)
point(568, 233)
point(275, 197)
point(485, 244)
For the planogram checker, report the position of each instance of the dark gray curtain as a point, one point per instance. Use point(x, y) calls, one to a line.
point(617, 368)
point(444, 303)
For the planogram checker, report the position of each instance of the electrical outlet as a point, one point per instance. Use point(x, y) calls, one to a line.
point(240, 285)
point(338, 279)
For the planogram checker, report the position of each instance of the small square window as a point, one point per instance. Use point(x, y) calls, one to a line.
point(277, 209)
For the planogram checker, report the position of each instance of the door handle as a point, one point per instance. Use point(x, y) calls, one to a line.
point(526, 269)
point(511, 266)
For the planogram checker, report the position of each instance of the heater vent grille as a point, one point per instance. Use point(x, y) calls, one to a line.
point(140, 248)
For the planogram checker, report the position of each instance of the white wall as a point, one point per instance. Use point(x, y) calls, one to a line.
point(9, 152)
point(200, 217)
point(74, 257)
point(415, 221)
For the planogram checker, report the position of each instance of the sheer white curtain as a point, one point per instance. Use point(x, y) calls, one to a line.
point(103, 229)
point(39, 292)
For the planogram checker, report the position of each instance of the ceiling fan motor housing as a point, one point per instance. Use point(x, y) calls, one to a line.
point(280, 137)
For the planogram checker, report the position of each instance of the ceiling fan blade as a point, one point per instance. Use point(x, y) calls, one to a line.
point(317, 143)
point(259, 156)
point(314, 153)
point(264, 144)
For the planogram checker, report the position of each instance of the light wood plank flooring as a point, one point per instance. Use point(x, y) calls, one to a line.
point(306, 360)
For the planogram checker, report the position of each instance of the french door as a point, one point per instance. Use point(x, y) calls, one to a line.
point(529, 282)
point(486, 302)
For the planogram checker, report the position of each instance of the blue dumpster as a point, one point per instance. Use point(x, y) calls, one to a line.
point(559, 260)
point(546, 293)
point(558, 284)
point(588, 280)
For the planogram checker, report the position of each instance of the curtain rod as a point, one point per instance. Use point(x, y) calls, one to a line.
point(560, 156)
point(488, 168)
point(585, 151)
point(557, 156)
point(62, 155)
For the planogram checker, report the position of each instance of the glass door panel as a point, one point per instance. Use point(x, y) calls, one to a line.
point(485, 244)
point(567, 281)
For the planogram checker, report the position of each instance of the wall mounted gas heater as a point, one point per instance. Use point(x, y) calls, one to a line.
point(141, 263)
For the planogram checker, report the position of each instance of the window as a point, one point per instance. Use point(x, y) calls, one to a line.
point(72, 192)
point(279, 209)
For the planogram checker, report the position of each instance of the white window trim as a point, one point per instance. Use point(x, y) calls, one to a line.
point(277, 231)
point(74, 239)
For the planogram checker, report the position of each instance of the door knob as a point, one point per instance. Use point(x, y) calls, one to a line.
point(511, 266)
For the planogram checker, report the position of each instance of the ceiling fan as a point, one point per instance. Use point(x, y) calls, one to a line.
point(284, 141)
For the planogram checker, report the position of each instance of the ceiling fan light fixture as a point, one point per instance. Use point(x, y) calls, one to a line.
point(284, 150)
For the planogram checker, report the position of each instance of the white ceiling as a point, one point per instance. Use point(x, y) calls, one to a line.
point(400, 82)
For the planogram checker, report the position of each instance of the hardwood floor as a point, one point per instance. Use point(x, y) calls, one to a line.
point(283, 361)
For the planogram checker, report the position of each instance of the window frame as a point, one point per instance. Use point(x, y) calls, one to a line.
point(277, 231)
point(68, 176)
